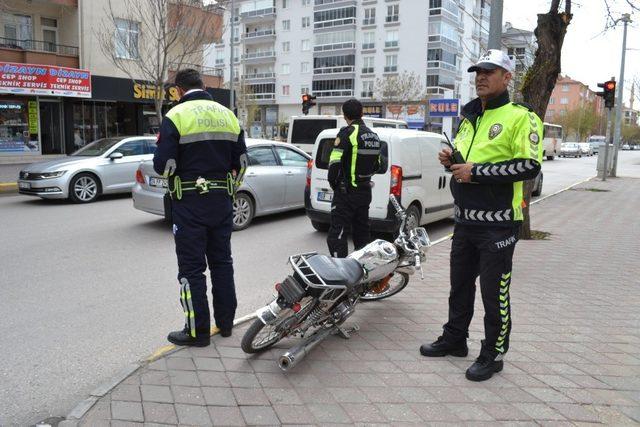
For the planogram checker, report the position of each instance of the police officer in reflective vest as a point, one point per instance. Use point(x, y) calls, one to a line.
point(355, 158)
point(201, 150)
point(501, 144)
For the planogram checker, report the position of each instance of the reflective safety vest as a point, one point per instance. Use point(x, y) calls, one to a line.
point(355, 157)
point(505, 143)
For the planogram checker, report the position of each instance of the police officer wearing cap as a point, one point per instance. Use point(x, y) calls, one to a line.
point(354, 159)
point(201, 151)
point(500, 142)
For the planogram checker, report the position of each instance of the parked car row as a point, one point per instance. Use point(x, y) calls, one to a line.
point(279, 177)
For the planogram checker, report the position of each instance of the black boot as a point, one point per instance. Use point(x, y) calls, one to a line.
point(184, 338)
point(483, 368)
point(226, 333)
point(441, 348)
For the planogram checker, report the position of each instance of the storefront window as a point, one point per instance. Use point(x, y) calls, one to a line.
point(18, 125)
point(101, 120)
point(95, 120)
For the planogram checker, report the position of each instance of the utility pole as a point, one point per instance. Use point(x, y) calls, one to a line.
point(231, 58)
point(495, 25)
point(626, 18)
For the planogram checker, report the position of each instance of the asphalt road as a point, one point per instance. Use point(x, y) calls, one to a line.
point(87, 289)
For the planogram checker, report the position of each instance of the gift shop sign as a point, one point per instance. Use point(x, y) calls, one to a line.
point(32, 79)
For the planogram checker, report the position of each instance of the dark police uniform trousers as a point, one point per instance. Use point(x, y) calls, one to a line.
point(349, 212)
point(202, 226)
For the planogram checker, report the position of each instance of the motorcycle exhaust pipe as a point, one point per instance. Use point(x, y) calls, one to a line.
point(292, 357)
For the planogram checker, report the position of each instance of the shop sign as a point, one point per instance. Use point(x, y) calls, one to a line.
point(146, 91)
point(33, 79)
point(444, 107)
point(372, 111)
point(33, 117)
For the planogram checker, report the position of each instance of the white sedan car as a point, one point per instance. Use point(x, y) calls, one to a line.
point(274, 182)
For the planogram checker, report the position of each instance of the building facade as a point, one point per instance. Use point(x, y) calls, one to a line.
point(338, 49)
point(521, 46)
point(59, 90)
point(568, 95)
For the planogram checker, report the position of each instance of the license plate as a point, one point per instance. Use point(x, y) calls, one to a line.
point(325, 197)
point(158, 182)
point(24, 185)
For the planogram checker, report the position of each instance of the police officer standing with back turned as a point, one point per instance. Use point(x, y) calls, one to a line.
point(355, 158)
point(201, 150)
point(500, 143)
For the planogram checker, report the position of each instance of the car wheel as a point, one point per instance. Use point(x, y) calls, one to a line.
point(320, 226)
point(243, 211)
point(84, 188)
point(538, 190)
point(413, 217)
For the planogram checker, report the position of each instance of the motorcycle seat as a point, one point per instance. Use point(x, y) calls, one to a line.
point(345, 272)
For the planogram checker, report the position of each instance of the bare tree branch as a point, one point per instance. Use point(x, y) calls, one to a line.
point(399, 89)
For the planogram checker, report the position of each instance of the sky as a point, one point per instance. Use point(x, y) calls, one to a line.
point(588, 54)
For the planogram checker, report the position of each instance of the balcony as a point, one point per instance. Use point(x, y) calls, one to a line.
point(441, 65)
point(258, 15)
point(340, 93)
point(259, 36)
point(435, 41)
point(255, 57)
point(334, 46)
point(391, 69)
point(366, 46)
point(261, 98)
point(369, 21)
point(334, 70)
point(366, 94)
point(334, 23)
point(368, 70)
point(333, 2)
point(391, 43)
point(38, 52)
point(392, 18)
point(260, 77)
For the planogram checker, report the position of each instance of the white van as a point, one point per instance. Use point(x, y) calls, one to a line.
point(303, 130)
point(413, 174)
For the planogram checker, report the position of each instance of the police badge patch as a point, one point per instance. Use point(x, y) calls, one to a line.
point(533, 137)
point(495, 130)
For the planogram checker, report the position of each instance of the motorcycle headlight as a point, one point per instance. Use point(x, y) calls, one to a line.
point(56, 174)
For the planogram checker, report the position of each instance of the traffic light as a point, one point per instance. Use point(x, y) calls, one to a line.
point(307, 102)
point(608, 93)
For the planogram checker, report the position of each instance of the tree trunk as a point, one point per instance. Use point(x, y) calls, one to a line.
point(541, 77)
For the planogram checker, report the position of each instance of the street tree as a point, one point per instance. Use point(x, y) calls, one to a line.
point(148, 40)
point(580, 122)
point(399, 89)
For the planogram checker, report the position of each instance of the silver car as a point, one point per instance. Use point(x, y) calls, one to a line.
point(570, 149)
point(104, 166)
point(274, 182)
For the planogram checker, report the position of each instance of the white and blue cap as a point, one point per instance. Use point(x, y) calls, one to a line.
point(493, 59)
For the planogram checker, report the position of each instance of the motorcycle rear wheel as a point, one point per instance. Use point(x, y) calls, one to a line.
point(397, 283)
point(260, 337)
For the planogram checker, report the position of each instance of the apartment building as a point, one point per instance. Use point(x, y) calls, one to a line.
point(59, 90)
point(568, 95)
point(337, 49)
point(521, 46)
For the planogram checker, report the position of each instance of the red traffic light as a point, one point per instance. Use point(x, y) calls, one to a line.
point(305, 98)
point(610, 85)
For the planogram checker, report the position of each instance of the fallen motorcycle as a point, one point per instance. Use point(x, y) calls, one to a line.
point(314, 301)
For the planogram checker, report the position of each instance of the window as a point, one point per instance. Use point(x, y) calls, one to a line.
point(335, 40)
point(563, 112)
point(552, 101)
point(334, 17)
point(284, 4)
point(368, 65)
point(393, 12)
point(286, 46)
point(564, 101)
point(261, 156)
point(304, 90)
point(392, 39)
point(306, 22)
point(369, 40)
point(133, 148)
point(391, 62)
point(306, 45)
point(285, 90)
point(49, 34)
point(286, 69)
point(565, 88)
point(289, 157)
point(286, 25)
point(305, 67)
point(19, 29)
point(369, 16)
point(126, 39)
point(367, 89)
point(306, 2)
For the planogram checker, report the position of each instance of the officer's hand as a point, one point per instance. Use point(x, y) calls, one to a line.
point(444, 157)
point(462, 172)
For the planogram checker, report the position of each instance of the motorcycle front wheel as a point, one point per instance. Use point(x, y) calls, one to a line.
point(260, 337)
point(386, 287)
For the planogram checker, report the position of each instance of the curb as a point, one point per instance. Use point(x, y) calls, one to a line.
point(8, 187)
point(83, 407)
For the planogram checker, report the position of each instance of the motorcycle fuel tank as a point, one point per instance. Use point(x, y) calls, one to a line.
point(379, 258)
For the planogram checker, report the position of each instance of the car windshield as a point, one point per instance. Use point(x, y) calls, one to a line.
point(97, 148)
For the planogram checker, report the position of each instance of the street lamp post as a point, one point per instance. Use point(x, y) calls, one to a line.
point(231, 58)
point(626, 18)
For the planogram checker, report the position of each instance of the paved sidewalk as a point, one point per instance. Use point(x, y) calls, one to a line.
point(574, 357)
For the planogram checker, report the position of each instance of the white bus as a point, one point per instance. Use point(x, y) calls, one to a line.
point(552, 138)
